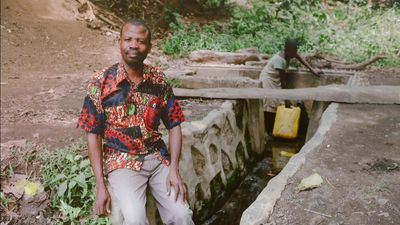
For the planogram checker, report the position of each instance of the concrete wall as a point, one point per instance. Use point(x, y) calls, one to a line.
point(216, 152)
point(239, 76)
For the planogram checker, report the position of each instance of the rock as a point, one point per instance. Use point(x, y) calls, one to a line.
point(382, 201)
point(384, 214)
point(203, 56)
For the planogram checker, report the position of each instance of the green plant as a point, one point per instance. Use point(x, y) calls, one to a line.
point(353, 37)
point(4, 200)
point(215, 3)
point(9, 171)
point(174, 82)
point(378, 187)
point(69, 180)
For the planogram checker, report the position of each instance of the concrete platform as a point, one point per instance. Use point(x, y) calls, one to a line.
point(342, 94)
point(356, 152)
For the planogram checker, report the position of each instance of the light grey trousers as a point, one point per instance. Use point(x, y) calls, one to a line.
point(128, 195)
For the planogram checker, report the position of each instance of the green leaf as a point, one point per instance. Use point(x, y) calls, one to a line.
point(74, 168)
point(84, 163)
point(62, 188)
point(71, 212)
point(69, 157)
point(71, 185)
point(57, 178)
point(81, 180)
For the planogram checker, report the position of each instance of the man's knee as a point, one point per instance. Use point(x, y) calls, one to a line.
point(136, 218)
point(183, 216)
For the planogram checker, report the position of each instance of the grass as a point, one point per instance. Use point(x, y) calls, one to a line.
point(351, 32)
point(378, 187)
point(69, 180)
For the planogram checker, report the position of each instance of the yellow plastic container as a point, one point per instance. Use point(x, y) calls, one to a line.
point(286, 122)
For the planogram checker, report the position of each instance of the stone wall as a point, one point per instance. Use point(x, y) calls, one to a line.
point(216, 152)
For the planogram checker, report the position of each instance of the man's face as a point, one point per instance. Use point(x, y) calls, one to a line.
point(290, 52)
point(134, 44)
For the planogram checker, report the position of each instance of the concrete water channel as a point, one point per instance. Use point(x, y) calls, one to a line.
point(227, 158)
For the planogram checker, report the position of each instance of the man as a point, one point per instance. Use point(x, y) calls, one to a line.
point(123, 106)
point(273, 76)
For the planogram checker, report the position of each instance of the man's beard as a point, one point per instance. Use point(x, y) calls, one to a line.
point(135, 64)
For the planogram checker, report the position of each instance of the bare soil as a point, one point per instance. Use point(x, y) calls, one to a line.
point(46, 58)
point(359, 164)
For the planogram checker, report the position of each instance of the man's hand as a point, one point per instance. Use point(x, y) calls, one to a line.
point(102, 202)
point(175, 180)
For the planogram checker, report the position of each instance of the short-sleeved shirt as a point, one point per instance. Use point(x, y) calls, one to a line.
point(270, 79)
point(270, 73)
point(128, 118)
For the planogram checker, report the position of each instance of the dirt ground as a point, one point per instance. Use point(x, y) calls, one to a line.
point(359, 162)
point(46, 58)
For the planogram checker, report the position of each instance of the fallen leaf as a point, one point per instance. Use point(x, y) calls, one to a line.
point(15, 185)
point(31, 188)
point(310, 182)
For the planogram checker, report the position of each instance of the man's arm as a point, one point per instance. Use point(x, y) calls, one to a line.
point(102, 201)
point(305, 63)
point(174, 179)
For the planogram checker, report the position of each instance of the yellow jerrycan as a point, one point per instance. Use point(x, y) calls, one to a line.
point(286, 122)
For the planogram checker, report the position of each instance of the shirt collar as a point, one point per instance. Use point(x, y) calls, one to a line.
point(122, 75)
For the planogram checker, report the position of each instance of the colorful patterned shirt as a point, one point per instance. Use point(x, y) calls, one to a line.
point(128, 118)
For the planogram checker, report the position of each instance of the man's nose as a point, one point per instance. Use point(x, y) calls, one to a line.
point(134, 44)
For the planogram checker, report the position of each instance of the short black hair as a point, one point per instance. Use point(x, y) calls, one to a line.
point(138, 22)
point(291, 43)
